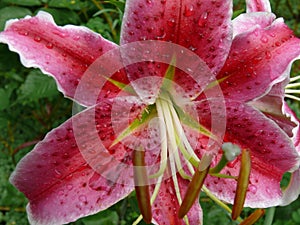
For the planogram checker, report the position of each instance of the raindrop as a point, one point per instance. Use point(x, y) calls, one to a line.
point(82, 198)
point(25, 33)
point(70, 187)
point(149, 1)
point(252, 189)
point(264, 39)
point(189, 10)
point(268, 55)
point(76, 38)
point(57, 173)
point(37, 38)
point(171, 22)
point(49, 45)
point(203, 19)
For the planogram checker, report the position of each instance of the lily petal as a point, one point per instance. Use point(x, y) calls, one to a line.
point(272, 154)
point(166, 206)
point(257, 60)
point(74, 172)
point(202, 26)
point(249, 21)
point(258, 6)
point(65, 53)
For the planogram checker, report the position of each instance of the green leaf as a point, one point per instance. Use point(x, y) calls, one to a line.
point(24, 2)
point(4, 99)
point(119, 4)
point(106, 217)
point(12, 12)
point(37, 86)
point(63, 16)
point(73, 5)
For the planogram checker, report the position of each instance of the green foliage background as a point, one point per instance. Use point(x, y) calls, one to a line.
point(30, 106)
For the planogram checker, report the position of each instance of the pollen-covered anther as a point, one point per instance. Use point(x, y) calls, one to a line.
point(254, 217)
point(242, 184)
point(192, 192)
point(141, 185)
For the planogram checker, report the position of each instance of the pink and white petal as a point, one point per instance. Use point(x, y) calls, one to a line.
point(203, 27)
point(251, 129)
point(258, 6)
point(75, 171)
point(65, 53)
point(272, 154)
point(291, 193)
point(263, 190)
point(166, 206)
point(274, 107)
point(247, 22)
point(296, 131)
point(258, 60)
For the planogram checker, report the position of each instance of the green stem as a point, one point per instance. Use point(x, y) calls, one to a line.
point(270, 216)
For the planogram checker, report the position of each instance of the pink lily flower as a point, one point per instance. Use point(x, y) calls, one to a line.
point(74, 173)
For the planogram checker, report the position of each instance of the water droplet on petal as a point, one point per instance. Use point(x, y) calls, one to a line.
point(25, 33)
point(268, 55)
point(37, 38)
point(57, 173)
point(203, 19)
point(171, 22)
point(189, 10)
point(49, 45)
point(252, 189)
point(82, 198)
point(264, 39)
point(70, 187)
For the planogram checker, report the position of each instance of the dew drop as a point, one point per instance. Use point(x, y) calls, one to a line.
point(57, 173)
point(189, 10)
point(252, 188)
point(24, 33)
point(37, 38)
point(76, 38)
point(49, 45)
point(171, 22)
point(268, 55)
point(82, 198)
point(202, 20)
point(264, 39)
point(70, 187)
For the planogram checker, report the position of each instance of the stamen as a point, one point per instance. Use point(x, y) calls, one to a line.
point(254, 217)
point(293, 79)
point(192, 192)
point(242, 184)
point(191, 153)
point(164, 144)
point(141, 185)
point(292, 91)
point(292, 97)
point(218, 201)
point(292, 85)
point(172, 138)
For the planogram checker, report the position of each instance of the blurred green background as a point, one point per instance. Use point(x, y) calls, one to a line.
point(30, 106)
